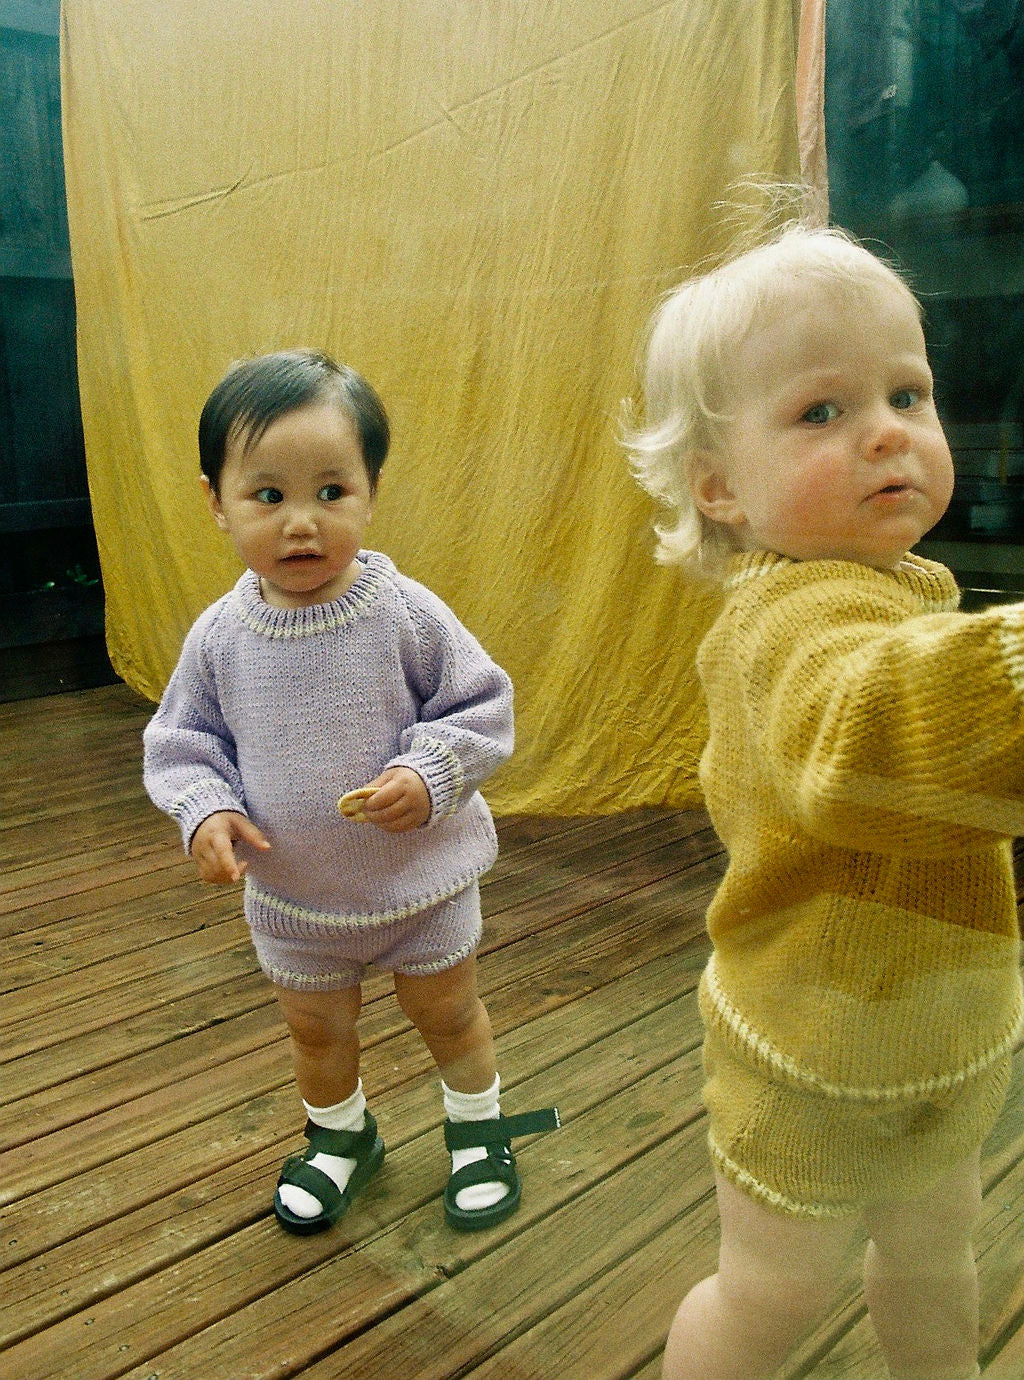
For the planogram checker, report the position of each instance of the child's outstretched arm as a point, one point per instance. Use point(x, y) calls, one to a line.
point(902, 736)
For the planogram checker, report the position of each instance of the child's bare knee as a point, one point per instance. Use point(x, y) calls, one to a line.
point(450, 1015)
point(795, 1299)
point(318, 1021)
point(931, 1234)
point(446, 1003)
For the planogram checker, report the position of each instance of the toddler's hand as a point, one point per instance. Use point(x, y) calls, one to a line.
point(213, 842)
point(400, 801)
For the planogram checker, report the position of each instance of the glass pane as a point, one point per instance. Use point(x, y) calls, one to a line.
point(924, 110)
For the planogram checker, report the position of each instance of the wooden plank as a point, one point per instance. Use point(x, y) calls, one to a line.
point(107, 1046)
point(586, 1335)
point(48, 1210)
point(648, 901)
point(613, 1326)
point(520, 835)
point(624, 1264)
point(23, 1079)
point(857, 1353)
point(612, 1083)
point(92, 1263)
point(129, 983)
point(142, 982)
point(148, 845)
point(181, 1098)
point(144, 1137)
point(78, 1102)
point(21, 811)
point(45, 952)
point(591, 852)
point(341, 1296)
point(103, 706)
point(117, 816)
point(107, 906)
point(38, 883)
point(665, 911)
point(108, 1136)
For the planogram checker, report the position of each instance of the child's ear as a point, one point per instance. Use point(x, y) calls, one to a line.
point(710, 489)
point(214, 502)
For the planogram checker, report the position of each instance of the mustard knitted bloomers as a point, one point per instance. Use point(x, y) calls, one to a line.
point(865, 771)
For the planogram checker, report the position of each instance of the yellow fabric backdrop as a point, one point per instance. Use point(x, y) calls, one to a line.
point(476, 203)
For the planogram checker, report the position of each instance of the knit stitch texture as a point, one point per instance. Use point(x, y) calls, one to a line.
point(865, 770)
point(276, 713)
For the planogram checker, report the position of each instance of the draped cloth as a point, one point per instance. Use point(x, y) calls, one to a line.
point(476, 205)
point(810, 96)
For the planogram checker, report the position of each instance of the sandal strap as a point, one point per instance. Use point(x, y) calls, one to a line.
point(296, 1172)
point(495, 1167)
point(350, 1145)
point(499, 1130)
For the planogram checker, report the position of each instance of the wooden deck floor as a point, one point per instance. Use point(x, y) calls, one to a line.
point(147, 1102)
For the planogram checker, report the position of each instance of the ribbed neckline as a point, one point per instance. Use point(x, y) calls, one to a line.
point(930, 584)
point(256, 614)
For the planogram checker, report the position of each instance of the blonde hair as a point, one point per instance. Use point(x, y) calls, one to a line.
point(685, 367)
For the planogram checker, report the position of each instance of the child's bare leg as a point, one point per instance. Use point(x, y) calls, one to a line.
point(446, 1009)
point(921, 1280)
point(325, 1055)
point(324, 1040)
point(776, 1276)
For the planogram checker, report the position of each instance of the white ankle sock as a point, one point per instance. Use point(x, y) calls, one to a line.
point(343, 1116)
point(460, 1106)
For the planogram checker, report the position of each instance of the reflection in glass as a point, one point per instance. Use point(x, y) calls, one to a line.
point(924, 109)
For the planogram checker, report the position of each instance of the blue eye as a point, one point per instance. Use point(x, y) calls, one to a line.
point(269, 495)
point(330, 493)
point(905, 398)
point(821, 413)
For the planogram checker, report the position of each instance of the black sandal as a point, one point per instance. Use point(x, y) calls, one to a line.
point(498, 1166)
point(365, 1147)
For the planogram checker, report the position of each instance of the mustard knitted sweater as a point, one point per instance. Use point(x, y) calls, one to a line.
point(865, 770)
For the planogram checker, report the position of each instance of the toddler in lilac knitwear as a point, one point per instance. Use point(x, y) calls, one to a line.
point(323, 671)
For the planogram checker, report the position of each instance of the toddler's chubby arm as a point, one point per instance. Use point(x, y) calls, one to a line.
point(466, 725)
point(212, 846)
point(189, 761)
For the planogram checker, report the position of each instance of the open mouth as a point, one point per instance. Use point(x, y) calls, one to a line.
point(895, 489)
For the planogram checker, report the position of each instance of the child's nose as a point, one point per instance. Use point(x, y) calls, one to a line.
point(888, 436)
point(298, 518)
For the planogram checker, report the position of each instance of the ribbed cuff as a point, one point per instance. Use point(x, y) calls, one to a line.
point(441, 772)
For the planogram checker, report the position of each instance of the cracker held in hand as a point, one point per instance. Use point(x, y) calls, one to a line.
point(351, 803)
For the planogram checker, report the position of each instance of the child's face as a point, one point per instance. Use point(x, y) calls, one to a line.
point(834, 450)
point(296, 504)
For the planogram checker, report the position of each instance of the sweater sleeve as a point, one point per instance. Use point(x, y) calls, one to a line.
point(189, 761)
point(466, 725)
point(898, 735)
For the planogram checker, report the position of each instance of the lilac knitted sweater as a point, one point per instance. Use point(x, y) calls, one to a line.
point(276, 713)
